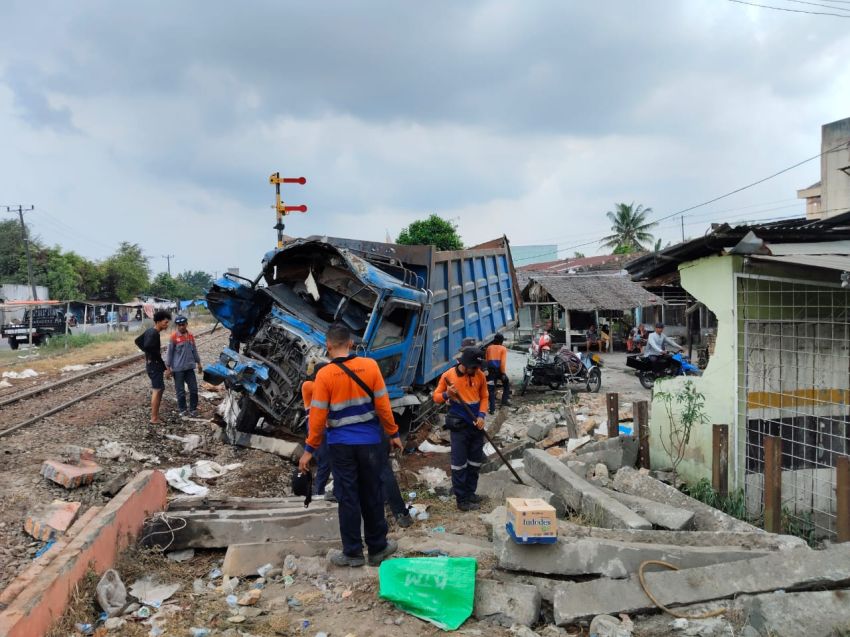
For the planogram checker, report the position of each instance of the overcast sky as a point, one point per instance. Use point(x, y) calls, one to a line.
point(160, 122)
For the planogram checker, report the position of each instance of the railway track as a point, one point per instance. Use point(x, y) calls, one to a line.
point(27, 407)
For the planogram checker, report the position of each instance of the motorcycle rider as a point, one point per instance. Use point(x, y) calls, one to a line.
point(658, 342)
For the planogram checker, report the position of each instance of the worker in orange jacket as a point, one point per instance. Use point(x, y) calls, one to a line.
point(323, 469)
point(465, 384)
point(349, 407)
point(496, 356)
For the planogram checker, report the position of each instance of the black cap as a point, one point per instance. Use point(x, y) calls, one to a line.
point(498, 339)
point(181, 320)
point(659, 324)
point(471, 357)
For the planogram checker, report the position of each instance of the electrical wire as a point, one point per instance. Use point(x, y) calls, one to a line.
point(767, 6)
point(815, 4)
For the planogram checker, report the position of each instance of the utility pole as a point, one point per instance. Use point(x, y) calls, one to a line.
point(21, 210)
point(168, 258)
point(683, 227)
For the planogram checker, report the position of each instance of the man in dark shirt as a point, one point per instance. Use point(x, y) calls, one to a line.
point(149, 343)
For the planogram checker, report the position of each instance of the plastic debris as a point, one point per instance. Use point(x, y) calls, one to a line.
point(209, 470)
point(438, 529)
point(181, 556)
point(27, 373)
point(264, 569)
point(190, 442)
point(432, 477)
point(111, 593)
point(251, 597)
point(199, 632)
point(144, 612)
point(428, 447)
point(215, 573)
point(178, 478)
point(85, 629)
point(152, 593)
point(294, 602)
point(411, 495)
point(232, 600)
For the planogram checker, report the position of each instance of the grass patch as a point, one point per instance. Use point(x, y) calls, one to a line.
point(74, 341)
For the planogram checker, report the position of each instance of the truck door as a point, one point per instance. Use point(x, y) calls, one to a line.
point(392, 338)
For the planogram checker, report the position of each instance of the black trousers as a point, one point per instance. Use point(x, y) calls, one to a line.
point(467, 458)
point(181, 380)
point(357, 486)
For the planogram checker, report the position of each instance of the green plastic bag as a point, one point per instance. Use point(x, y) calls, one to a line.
point(440, 590)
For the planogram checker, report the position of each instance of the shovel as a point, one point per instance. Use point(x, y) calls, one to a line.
point(490, 440)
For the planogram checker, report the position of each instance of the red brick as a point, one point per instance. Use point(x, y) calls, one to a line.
point(68, 475)
point(43, 601)
point(47, 521)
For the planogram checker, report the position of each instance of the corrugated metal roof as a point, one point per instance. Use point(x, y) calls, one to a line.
point(827, 261)
point(827, 247)
point(590, 292)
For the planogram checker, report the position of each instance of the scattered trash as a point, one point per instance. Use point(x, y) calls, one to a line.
point(438, 529)
point(215, 573)
point(199, 632)
point(419, 512)
point(190, 442)
point(411, 495)
point(432, 477)
point(228, 585)
point(288, 581)
point(27, 373)
point(73, 368)
point(143, 613)
point(181, 556)
point(251, 597)
point(428, 447)
point(111, 593)
point(264, 569)
point(290, 564)
point(232, 601)
point(4, 384)
point(111, 450)
point(85, 629)
point(440, 590)
point(293, 602)
point(178, 478)
point(489, 449)
point(207, 469)
point(321, 635)
point(46, 547)
point(198, 586)
point(209, 395)
point(114, 623)
point(152, 593)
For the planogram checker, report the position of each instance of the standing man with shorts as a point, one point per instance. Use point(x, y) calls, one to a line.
point(350, 406)
point(149, 342)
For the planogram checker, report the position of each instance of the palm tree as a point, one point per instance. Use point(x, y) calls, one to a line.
point(630, 228)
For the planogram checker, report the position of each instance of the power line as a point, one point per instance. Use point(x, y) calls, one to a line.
point(815, 4)
point(767, 6)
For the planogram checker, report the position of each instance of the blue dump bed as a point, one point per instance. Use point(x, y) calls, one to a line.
point(408, 307)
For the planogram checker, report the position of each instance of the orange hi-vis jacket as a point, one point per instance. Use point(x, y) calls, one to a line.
point(472, 390)
point(307, 393)
point(497, 356)
point(343, 411)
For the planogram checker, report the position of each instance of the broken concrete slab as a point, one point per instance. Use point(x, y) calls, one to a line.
point(446, 544)
point(579, 495)
point(498, 485)
point(283, 448)
point(555, 437)
point(510, 452)
point(795, 569)
point(46, 522)
point(190, 503)
point(242, 560)
point(610, 558)
point(755, 541)
point(506, 603)
point(539, 429)
point(614, 453)
point(70, 476)
point(782, 614)
point(706, 518)
point(222, 527)
point(663, 515)
point(546, 586)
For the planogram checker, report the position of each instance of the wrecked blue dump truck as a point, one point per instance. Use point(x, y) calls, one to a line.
point(409, 307)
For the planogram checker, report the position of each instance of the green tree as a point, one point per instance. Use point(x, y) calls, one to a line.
point(434, 231)
point(125, 273)
point(13, 260)
point(194, 283)
point(630, 229)
point(165, 286)
point(578, 255)
point(90, 273)
point(53, 269)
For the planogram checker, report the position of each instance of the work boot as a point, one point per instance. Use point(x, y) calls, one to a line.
point(329, 497)
point(477, 499)
point(182, 413)
point(377, 558)
point(193, 413)
point(351, 561)
point(404, 521)
point(467, 505)
point(507, 403)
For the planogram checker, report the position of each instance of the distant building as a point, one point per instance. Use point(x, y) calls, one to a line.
point(528, 255)
point(831, 195)
point(10, 292)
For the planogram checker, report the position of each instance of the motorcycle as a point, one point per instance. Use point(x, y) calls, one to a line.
point(566, 367)
point(651, 368)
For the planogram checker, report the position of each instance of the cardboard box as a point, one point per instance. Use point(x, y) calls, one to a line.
point(531, 521)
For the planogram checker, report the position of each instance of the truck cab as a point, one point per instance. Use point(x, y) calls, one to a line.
point(42, 322)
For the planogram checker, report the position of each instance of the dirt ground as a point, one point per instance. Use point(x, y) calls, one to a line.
point(317, 600)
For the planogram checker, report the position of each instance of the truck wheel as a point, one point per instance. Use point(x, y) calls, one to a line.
point(13, 343)
point(647, 380)
point(594, 380)
point(246, 421)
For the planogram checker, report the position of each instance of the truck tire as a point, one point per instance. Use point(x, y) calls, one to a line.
point(13, 343)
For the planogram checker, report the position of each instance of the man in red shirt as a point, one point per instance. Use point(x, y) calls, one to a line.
point(349, 406)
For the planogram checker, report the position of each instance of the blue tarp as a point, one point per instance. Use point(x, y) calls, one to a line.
point(196, 303)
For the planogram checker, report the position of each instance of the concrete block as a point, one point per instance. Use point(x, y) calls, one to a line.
point(782, 614)
point(555, 437)
point(546, 586)
point(794, 569)
point(706, 518)
point(283, 448)
point(498, 485)
point(74, 454)
point(42, 601)
point(242, 560)
point(506, 603)
point(579, 495)
point(539, 429)
point(68, 475)
point(46, 522)
point(663, 515)
point(609, 558)
point(449, 544)
point(614, 453)
point(511, 452)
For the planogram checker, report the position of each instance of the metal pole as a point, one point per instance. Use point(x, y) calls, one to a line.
point(641, 423)
point(67, 316)
point(32, 309)
point(720, 459)
point(85, 318)
point(842, 495)
point(21, 210)
point(773, 484)
point(612, 400)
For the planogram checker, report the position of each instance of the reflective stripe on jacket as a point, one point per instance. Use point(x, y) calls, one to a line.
point(472, 390)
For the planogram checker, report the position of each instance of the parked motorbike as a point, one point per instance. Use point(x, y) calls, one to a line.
point(565, 368)
point(651, 368)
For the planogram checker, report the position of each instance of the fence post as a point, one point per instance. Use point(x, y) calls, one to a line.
point(641, 420)
point(720, 459)
point(773, 484)
point(842, 494)
point(613, 403)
